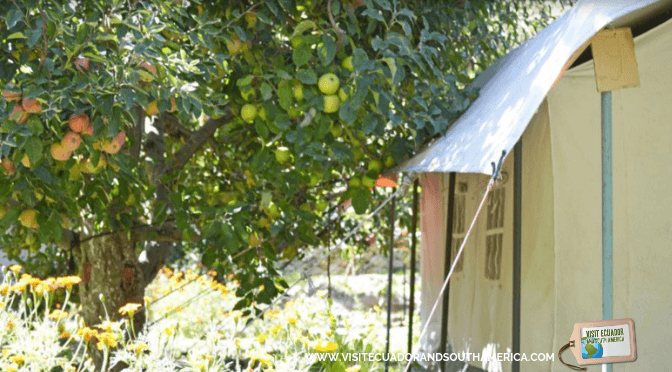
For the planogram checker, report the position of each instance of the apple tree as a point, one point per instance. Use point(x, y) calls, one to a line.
point(131, 130)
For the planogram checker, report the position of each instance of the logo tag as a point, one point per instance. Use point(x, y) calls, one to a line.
point(604, 341)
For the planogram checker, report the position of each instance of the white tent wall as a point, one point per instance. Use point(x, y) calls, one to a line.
point(642, 153)
point(537, 242)
point(480, 298)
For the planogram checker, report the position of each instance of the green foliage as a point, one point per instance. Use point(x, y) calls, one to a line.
point(233, 200)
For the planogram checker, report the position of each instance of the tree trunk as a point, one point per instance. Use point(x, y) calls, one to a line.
point(110, 267)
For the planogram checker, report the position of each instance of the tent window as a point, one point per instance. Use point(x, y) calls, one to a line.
point(459, 228)
point(494, 234)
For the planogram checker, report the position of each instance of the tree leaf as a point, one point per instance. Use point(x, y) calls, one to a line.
point(327, 51)
point(302, 55)
point(360, 201)
point(33, 148)
point(13, 17)
point(307, 76)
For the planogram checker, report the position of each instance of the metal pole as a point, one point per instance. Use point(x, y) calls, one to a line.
point(517, 251)
point(414, 241)
point(447, 264)
point(607, 221)
point(390, 253)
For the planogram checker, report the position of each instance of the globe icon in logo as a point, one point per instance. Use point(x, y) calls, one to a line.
point(590, 348)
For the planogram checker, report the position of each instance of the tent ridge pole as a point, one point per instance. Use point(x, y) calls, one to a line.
point(517, 250)
point(414, 242)
point(607, 216)
point(390, 253)
point(449, 243)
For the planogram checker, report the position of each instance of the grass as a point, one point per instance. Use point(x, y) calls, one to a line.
point(192, 326)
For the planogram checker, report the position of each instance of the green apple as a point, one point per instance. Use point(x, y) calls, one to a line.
point(28, 218)
point(248, 112)
point(342, 95)
point(355, 182)
point(282, 155)
point(298, 91)
point(375, 166)
point(314, 179)
point(389, 161)
point(347, 64)
point(331, 103)
point(368, 181)
point(328, 83)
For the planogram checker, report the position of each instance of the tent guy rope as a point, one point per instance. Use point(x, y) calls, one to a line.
point(496, 169)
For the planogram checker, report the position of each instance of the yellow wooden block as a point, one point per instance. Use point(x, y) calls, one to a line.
point(615, 61)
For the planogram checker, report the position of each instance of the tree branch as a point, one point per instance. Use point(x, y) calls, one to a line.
point(197, 139)
point(138, 131)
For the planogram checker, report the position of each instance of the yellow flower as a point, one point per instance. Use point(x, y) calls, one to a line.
point(106, 326)
point(68, 281)
point(87, 333)
point(18, 359)
point(137, 347)
point(323, 345)
point(16, 268)
point(201, 365)
point(12, 368)
point(129, 308)
point(65, 334)
point(18, 287)
point(48, 285)
point(5, 352)
point(263, 358)
point(291, 320)
point(169, 330)
point(30, 280)
point(276, 328)
point(108, 339)
point(237, 343)
point(10, 325)
point(147, 299)
point(262, 338)
point(4, 289)
point(58, 315)
point(355, 368)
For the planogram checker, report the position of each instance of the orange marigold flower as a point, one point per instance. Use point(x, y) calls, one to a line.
point(87, 333)
point(65, 334)
point(4, 289)
point(108, 339)
point(261, 338)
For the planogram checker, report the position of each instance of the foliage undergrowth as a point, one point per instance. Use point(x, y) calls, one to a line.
point(192, 326)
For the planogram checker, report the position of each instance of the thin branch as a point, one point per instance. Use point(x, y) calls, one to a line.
point(138, 130)
point(194, 143)
point(166, 233)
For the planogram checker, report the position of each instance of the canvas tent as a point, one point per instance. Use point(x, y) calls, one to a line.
point(530, 96)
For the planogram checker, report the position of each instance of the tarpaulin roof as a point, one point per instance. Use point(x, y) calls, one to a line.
point(515, 86)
